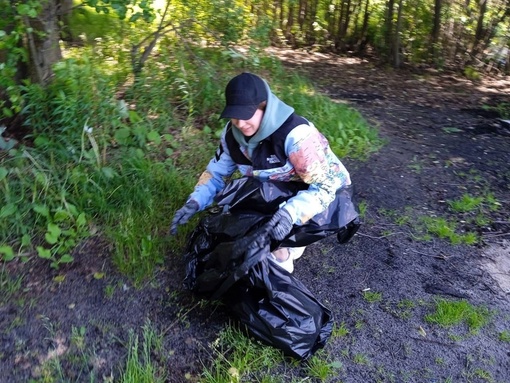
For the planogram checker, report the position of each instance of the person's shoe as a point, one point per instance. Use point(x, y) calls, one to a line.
point(296, 252)
point(285, 256)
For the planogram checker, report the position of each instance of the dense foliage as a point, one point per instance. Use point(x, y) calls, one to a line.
point(472, 36)
point(114, 154)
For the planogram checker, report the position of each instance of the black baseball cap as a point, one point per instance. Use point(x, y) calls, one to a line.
point(243, 95)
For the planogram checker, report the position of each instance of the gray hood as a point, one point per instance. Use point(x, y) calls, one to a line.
point(276, 113)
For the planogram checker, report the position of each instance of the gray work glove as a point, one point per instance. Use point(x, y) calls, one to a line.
point(183, 215)
point(280, 225)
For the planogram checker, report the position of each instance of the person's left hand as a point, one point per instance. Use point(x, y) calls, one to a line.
point(280, 225)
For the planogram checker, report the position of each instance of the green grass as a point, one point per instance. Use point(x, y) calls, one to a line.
point(235, 358)
point(466, 203)
point(402, 309)
point(447, 229)
point(372, 296)
point(459, 225)
point(504, 336)
point(9, 284)
point(340, 331)
point(120, 168)
point(139, 367)
point(321, 368)
point(455, 312)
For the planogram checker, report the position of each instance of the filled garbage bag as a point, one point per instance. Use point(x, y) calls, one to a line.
point(252, 194)
point(275, 306)
point(215, 250)
point(227, 258)
point(246, 204)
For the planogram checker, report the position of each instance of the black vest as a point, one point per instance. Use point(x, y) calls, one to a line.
point(270, 153)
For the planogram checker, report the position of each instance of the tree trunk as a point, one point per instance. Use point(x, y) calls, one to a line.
point(362, 41)
point(43, 42)
point(347, 18)
point(290, 24)
point(388, 30)
point(342, 17)
point(310, 16)
point(397, 55)
point(480, 31)
point(436, 29)
point(65, 8)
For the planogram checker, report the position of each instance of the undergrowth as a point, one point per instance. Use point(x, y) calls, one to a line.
point(118, 164)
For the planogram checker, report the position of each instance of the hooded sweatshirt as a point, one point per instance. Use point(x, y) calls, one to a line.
point(286, 147)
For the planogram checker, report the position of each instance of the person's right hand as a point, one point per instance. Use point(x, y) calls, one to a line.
point(280, 225)
point(183, 215)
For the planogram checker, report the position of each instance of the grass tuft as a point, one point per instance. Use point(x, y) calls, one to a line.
point(450, 313)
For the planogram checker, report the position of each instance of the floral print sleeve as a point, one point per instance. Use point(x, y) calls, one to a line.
point(213, 178)
point(315, 164)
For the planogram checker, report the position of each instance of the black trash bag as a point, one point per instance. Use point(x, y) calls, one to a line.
point(245, 205)
point(250, 194)
point(227, 258)
point(216, 250)
point(275, 307)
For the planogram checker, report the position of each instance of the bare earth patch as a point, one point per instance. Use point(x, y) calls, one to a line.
point(497, 263)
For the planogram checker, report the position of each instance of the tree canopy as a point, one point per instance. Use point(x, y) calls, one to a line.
point(467, 35)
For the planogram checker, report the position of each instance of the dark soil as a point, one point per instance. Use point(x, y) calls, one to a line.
point(440, 144)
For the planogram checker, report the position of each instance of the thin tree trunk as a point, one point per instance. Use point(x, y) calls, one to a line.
point(347, 18)
point(397, 56)
point(43, 42)
point(65, 8)
point(362, 41)
point(436, 29)
point(480, 31)
point(388, 24)
point(290, 23)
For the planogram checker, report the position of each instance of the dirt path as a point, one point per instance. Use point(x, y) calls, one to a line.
point(438, 148)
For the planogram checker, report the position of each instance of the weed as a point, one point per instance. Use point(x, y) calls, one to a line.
point(440, 361)
point(416, 165)
point(472, 74)
point(78, 337)
point(320, 368)
point(503, 109)
point(372, 296)
point(406, 304)
point(466, 203)
point(482, 374)
point(237, 356)
point(402, 309)
point(139, 366)
point(109, 290)
point(363, 208)
point(340, 331)
point(9, 285)
point(446, 229)
point(504, 336)
point(449, 313)
point(360, 359)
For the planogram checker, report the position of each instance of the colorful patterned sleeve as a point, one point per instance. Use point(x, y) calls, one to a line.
point(315, 163)
point(213, 178)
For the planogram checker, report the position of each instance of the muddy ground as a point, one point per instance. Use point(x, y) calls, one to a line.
point(440, 144)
